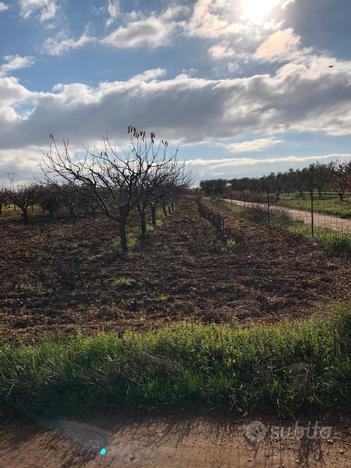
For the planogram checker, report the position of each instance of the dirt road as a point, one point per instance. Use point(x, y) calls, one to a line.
point(324, 221)
point(170, 441)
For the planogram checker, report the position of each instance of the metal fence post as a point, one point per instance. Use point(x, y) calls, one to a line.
point(312, 214)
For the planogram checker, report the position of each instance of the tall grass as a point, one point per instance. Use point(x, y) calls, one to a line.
point(286, 368)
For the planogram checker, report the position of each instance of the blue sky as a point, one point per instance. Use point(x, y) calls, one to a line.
point(244, 87)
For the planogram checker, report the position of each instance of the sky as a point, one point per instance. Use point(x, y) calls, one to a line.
point(243, 87)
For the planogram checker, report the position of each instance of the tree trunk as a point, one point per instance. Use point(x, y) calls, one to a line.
point(142, 222)
point(153, 215)
point(164, 210)
point(25, 215)
point(123, 230)
point(123, 236)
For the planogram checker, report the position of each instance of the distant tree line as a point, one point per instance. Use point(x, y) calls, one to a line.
point(317, 178)
point(143, 179)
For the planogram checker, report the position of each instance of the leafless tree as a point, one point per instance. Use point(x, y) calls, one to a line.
point(51, 198)
point(24, 197)
point(119, 182)
point(4, 197)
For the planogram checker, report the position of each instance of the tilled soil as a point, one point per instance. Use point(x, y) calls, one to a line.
point(59, 277)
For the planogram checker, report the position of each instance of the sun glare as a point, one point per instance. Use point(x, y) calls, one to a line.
point(257, 10)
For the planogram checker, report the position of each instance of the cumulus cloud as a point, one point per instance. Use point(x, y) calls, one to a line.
point(302, 96)
point(12, 95)
point(279, 45)
point(44, 9)
point(15, 62)
point(259, 144)
point(61, 44)
point(153, 31)
point(3, 7)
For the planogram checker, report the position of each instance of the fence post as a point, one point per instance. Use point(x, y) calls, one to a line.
point(312, 214)
point(269, 210)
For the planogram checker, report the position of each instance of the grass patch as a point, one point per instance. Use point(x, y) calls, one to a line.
point(133, 238)
point(326, 237)
point(288, 368)
point(117, 251)
point(331, 239)
point(327, 205)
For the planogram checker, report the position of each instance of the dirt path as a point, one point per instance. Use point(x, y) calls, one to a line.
point(324, 221)
point(168, 442)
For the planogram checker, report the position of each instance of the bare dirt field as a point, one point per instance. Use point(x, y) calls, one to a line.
point(59, 277)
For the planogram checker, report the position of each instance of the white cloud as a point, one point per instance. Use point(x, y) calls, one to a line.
point(221, 51)
point(175, 12)
point(153, 32)
point(235, 162)
point(259, 144)
point(45, 9)
point(208, 20)
point(150, 75)
point(12, 95)
point(302, 96)
point(219, 18)
point(3, 7)
point(15, 62)
point(113, 10)
point(61, 44)
point(279, 45)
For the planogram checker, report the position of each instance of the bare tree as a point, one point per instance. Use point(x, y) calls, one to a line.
point(24, 197)
point(51, 198)
point(118, 182)
point(4, 197)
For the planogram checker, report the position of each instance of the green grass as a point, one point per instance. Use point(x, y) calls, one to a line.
point(132, 241)
point(327, 205)
point(134, 237)
point(327, 238)
point(290, 368)
point(331, 239)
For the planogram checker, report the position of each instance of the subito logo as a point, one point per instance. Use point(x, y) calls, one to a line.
point(256, 431)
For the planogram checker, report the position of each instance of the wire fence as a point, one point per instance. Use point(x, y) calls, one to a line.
point(214, 218)
point(326, 216)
